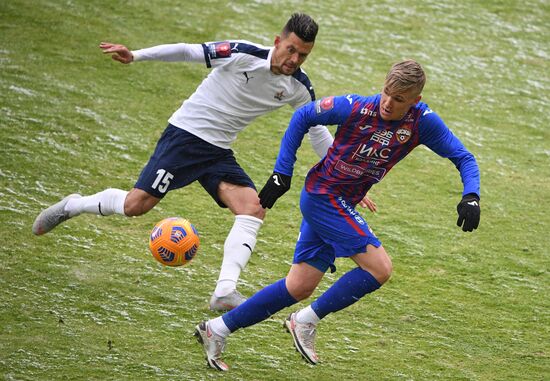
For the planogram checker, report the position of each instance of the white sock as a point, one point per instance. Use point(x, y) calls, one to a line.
point(236, 252)
point(105, 203)
point(307, 315)
point(218, 326)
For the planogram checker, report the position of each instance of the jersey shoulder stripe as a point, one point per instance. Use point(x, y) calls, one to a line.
point(302, 77)
point(224, 49)
point(256, 51)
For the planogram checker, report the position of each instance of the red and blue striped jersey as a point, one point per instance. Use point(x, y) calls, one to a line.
point(366, 147)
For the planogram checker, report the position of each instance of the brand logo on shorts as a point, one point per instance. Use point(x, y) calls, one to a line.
point(352, 212)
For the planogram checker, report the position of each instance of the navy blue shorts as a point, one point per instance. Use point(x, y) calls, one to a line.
point(181, 158)
point(331, 227)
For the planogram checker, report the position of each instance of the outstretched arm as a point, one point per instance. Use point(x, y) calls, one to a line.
point(118, 52)
point(167, 52)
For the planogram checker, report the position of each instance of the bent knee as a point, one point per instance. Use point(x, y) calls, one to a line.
point(241, 200)
point(257, 211)
point(134, 209)
point(250, 207)
point(138, 203)
point(384, 271)
point(299, 289)
point(301, 293)
point(380, 267)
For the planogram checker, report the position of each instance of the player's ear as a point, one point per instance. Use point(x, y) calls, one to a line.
point(417, 99)
point(277, 40)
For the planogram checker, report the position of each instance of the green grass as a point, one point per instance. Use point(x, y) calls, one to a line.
point(88, 302)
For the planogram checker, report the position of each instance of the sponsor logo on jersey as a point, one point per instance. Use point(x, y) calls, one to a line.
point(349, 169)
point(376, 173)
point(404, 134)
point(367, 111)
point(324, 104)
point(382, 136)
point(356, 171)
point(220, 50)
point(371, 155)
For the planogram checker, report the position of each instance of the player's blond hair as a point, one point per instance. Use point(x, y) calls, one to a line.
point(405, 76)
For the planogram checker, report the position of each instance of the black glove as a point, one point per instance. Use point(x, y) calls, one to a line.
point(468, 212)
point(276, 186)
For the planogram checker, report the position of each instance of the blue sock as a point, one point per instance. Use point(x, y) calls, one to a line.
point(351, 287)
point(260, 306)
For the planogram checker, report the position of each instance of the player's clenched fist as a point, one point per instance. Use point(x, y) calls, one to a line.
point(468, 212)
point(277, 185)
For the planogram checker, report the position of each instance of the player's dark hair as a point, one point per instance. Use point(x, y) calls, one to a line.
point(303, 26)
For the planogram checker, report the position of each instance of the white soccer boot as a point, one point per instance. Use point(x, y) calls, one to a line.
point(52, 216)
point(227, 302)
point(304, 338)
point(213, 346)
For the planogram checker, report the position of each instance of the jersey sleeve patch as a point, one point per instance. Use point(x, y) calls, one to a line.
point(216, 50)
point(324, 104)
point(219, 50)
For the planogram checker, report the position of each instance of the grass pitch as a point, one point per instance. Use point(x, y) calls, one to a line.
point(87, 301)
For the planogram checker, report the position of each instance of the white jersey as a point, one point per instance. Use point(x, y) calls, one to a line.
point(240, 88)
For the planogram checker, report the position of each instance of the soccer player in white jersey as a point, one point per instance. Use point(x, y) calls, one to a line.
point(247, 80)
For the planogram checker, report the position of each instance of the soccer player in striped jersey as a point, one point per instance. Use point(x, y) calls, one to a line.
point(247, 80)
point(374, 133)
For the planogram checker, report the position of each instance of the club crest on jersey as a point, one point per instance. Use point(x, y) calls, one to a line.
point(220, 50)
point(324, 104)
point(279, 96)
point(403, 134)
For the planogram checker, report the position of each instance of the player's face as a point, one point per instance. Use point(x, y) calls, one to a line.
point(290, 52)
point(394, 105)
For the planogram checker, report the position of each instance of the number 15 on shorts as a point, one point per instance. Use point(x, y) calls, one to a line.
point(162, 182)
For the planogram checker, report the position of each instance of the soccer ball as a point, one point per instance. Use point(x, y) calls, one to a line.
point(174, 241)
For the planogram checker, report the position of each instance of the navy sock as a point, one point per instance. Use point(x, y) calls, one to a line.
point(351, 287)
point(260, 306)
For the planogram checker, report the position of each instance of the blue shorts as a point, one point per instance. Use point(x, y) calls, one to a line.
point(331, 228)
point(181, 158)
